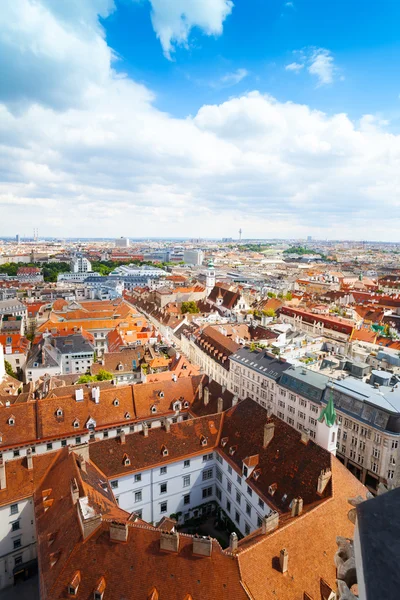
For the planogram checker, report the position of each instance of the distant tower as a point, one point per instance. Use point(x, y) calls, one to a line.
point(327, 426)
point(210, 278)
point(240, 234)
point(17, 238)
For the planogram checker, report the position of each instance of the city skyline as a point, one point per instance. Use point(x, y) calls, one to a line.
point(197, 119)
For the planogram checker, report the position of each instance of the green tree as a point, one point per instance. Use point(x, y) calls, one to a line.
point(189, 307)
point(9, 369)
point(104, 375)
point(288, 296)
point(269, 312)
point(271, 295)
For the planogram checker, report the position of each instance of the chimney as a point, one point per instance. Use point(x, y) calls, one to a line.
point(305, 436)
point(118, 532)
point(74, 491)
point(269, 429)
point(29, 459)
point(323, 480)
point(206, 396)
point(167, 424)
point(169, 541)
point(200, 391)
point(234, 400)
point(122, 437)
point(96, 394)
point(3, 481)
point(283, 560)
point(145, 429)
point(202, 546)
point(270, 522)
point(220, 405)
point(89, 521)
point(223, 389)
point(297, 507)
point(82, 463)
point(233, 542)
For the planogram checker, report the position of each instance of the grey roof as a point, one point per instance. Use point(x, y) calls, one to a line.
point(379, 531)
point(305, 382)
point(73, 344)
point(11, 304)
point(261, 362)
point(385, 397)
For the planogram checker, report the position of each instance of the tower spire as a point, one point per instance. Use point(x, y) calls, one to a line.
point(328, 412)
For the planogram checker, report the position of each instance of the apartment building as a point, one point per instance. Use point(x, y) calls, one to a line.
point(368, 416)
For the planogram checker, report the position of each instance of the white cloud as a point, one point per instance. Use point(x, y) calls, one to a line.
point(173, 20)
point(110, 163)
point(294, 66)
point(322, 66)
point(235, 77)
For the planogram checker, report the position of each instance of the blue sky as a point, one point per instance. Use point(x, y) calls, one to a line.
point(262, 37)
point(196, 117)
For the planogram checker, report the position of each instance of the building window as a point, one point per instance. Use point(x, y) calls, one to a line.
point(207, 492)
point(237, 517)
point(219, 475)
point(248, 509)
point(186, 481)
point(229, 470)
point(15, 526)
point(376, 453)
point(186, 463)
point(390, 474)
point(163, 507)
point(219, 458)
point(249, 491)
point(395, 444)
point(228, 506)
point(49, 446)
point(163, 470)
point(259, 521)
point(16, 453)
point(238, 497)
point(229, 486)
point(138, 477)
point(138, 496)
point(374, 467)
point(247, 528)
point(218, 493)
point(186, 499)
point(207, 474)
point(13, 509)
point(63, 443)
point(290, 421)
point(17, 561)
point(260, 503)
point(17, 543)
point(77, 440)
point(239, 479)
point(114, 484)
point(312, 421)
point(163, 488)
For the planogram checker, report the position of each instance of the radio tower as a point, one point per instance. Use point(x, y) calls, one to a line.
point(240, 235)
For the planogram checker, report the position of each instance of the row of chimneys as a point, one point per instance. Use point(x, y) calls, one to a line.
point(204, 394)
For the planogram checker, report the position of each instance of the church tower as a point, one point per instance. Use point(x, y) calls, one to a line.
point(327, 427)
point(210, 278)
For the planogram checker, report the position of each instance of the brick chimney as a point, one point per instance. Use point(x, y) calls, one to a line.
point(167, 424)
point(233, 542)
point(29, 459)
point(283, 560)
point(206, 396)
point(145, 429)
point(122, 437)
point(3, 481)
point(305, 436)
point(270, 522)
point(118, 532)
point(200, 392)
point(202, 546)
point(169, 541)
point(220, 405)
point(234, 400)
point(74, 491)
point(269, 429)
point(323, 480)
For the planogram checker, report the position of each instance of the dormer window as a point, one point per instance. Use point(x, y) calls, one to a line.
point(272, 489)
point(224, 441)
point(256, 474)
point(120, 367)
point(203, 440)
point(11, 420)
point(75, 424)
point(127, 415)
point(1, 437)
point(232, 450)
point(153, 409)
point(99, 589)
point(126, 460)
point(176, 406)
point(186, 404)
point(161, 394)
point(74, 584)
point(116, 402)
point(164, 450)
point(59, 412)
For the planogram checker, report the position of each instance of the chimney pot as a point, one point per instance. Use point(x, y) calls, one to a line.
point(122, 437)
point(169, 541)
point(202, 546)
point(29, 459)
point(233, 542)
point(206, 396)
point(167, 424)
point(118, 532)
point(220, 405)
point(323, 480)
point(3, 481)
point(283, 560)
point(269, 429)
point(270, 522)
point(234, 400)
point(145, 430)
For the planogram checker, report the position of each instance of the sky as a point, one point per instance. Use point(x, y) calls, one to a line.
point(195, 118)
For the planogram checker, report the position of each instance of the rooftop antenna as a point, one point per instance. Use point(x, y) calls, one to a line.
point(240, 235)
